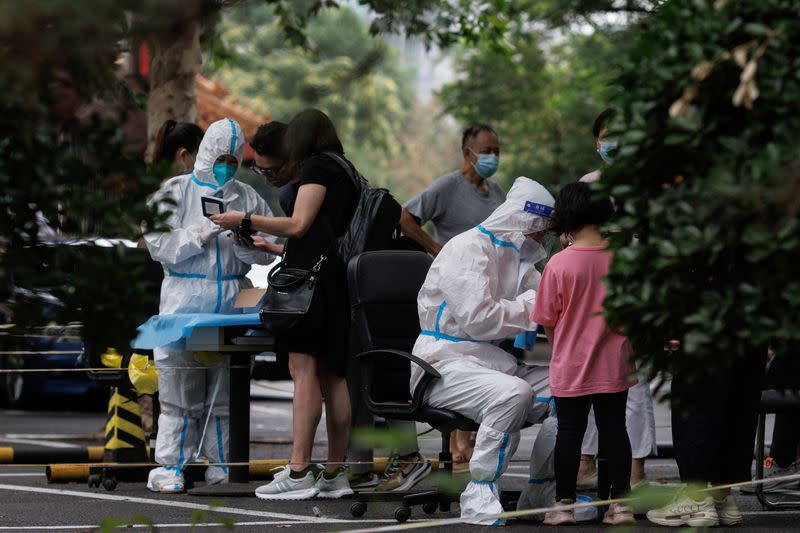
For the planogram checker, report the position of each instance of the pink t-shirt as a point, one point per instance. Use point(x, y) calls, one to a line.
point(588, 357)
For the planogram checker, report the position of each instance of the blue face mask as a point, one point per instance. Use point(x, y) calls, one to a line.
point(223, 173)
point(606, 147)
point(486, 165)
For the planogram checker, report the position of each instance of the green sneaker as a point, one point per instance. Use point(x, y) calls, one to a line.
point(333, 485)
point(286, 487)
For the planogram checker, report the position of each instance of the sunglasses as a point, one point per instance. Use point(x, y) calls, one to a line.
point(267, 172)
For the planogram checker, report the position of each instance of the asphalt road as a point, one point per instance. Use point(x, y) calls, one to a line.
point(28, 503)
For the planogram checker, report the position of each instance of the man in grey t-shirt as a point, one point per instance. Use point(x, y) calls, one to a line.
point(461, 199)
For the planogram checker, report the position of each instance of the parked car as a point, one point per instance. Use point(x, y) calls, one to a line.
point(55, 341)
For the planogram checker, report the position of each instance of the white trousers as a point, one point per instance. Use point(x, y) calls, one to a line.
point(185, 395)
point(639, 419)
point(500, 404)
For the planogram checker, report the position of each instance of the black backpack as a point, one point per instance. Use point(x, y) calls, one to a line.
point(375, 220)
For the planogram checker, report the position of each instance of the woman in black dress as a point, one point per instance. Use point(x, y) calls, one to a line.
point(319, 204)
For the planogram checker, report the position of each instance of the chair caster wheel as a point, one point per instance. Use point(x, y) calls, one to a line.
point(430, 507)
point(109, 483)
point(94, 481)
point(402, 514)
point(358, 509)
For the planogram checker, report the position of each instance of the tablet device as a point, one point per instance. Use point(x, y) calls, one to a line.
point(212, 206)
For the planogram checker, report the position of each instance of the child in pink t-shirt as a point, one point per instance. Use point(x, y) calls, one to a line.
point(590, 365)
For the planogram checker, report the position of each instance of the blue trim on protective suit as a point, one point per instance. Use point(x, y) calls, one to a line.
point(479, 482)
point(233, 137)
point(438, 335)
point(220, 447)
point(498, 242)
point(203, 183)
point(230, 277)
point(502, 456)
point(185, 275)
point(219, 278)
point(181, 457)
point(541, 481)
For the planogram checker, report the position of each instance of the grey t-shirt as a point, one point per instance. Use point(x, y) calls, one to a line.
point(454, 205)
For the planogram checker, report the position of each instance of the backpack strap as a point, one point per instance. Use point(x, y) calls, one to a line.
point(358, 180)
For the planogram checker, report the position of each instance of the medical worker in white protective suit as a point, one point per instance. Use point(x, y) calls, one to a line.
point(204, 271)
point(481, 288)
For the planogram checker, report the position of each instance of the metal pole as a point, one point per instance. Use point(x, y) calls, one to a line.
point(240, 417)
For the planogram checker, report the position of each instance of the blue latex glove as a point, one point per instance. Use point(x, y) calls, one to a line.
point(525, 341)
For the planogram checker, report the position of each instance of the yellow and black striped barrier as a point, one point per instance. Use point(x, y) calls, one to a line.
point(79, 454)
point(125, 438)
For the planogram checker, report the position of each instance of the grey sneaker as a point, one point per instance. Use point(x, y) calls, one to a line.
point(285, 487)
point(333, 486)
point(773, 470)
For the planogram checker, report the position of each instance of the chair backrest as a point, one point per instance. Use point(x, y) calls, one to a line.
point(383, 293)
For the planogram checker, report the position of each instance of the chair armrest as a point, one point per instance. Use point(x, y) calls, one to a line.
point(428, 376)
point(427, 368)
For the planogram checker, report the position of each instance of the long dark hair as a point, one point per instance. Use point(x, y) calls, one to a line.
point(310, 132)
point(174, 135)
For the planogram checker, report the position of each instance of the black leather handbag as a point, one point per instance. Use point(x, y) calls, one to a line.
point(290, 296)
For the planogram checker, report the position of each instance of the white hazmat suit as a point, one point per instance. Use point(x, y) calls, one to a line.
point(204, 271)
point(480, 289)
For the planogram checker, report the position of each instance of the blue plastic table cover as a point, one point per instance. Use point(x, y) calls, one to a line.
point(172, 330)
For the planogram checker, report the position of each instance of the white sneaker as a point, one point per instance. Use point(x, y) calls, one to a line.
point(285, 487)
point(728, 512)
point(333, 488)
point(684, 511)
point(166, 480)
point(772, 470)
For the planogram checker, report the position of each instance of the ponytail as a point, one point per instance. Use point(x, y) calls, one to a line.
point(174, 135)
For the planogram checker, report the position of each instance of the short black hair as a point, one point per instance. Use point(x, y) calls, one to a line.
point(474, 130)
point(576, 207)
point(268, 140)
point(601, 120)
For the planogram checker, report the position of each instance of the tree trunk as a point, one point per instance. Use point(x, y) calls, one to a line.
point(176, 61)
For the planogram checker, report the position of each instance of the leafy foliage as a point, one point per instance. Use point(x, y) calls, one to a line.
point(357, 79)
point(707, 179)
point(67, 168)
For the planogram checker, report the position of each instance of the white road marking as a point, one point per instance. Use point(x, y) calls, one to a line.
point(165, 526)
point(46, 444)
point(183, 505)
